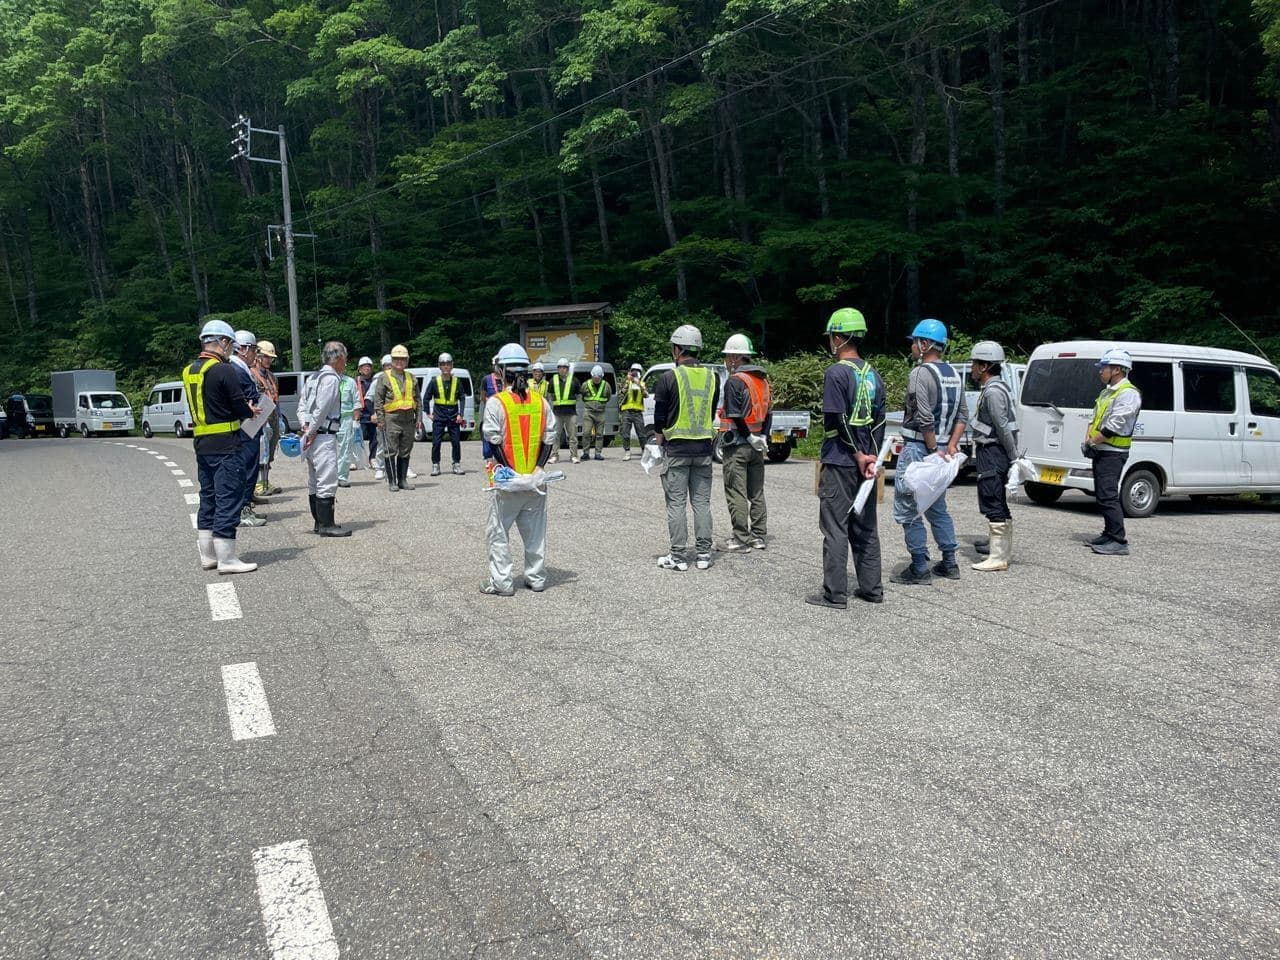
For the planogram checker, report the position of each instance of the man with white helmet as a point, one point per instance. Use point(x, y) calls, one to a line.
point(744, 425)
point(684, 405)
point(563, 395)
point(631, 407)
point(520, 427)
point(396, 405)
point(245, 359)
point(324, 419)
point(995, 427)
point(364, 384)
point(595, 400)
point(538, 378)
point(1107, 442)
point(215, 396)
point(444, 398)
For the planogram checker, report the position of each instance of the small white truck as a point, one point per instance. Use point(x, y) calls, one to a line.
point(88, 401)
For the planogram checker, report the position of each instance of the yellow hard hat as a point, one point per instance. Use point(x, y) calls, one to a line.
point(399, 352)
point(266, 349)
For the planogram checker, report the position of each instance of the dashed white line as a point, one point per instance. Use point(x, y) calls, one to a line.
point(293, 908)
point(193, 521)
point(170, 463)
point(186, 483)
point(191, 498)
point(223, 602)
point(178, 473)
point(247, 706)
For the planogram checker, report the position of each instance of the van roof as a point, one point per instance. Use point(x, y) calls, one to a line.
point(1143, 351)
point(166, 384)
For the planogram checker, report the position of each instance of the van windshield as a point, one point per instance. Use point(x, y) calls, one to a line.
point(1067, 382)
point(108, 401)
point(38, 403)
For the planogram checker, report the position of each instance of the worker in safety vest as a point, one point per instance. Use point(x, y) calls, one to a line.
point(631, 408)
point(563, 395)
point(520, 427)
point(853, 404)
point(1109, 437)
point(271, 431)
point(934, 420)
point(396, 406)
point(684, 406)
point(595, 400)
point(443, 397)
point(324, 418)
point(368, 430)
point(995, 430)
point(217, 402)
point(538, 382)
point(744, 429)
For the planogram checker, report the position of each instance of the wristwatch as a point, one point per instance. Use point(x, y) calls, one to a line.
point(930, 449)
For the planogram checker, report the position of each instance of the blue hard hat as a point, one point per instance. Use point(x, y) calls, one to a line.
point(290, 445)
point(934, 330)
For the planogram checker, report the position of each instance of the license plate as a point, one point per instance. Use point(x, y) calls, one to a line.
point(106, 426)
point(1053, 475)
point(777, 437)
point(40, 429)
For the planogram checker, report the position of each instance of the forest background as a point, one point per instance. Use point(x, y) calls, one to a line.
point(1025, 170)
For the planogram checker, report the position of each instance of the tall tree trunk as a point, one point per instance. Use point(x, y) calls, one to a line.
point(375, 250)
point(566, 240)
point(1024, 46)
point(602, 218)
point(106, 159)
point(8, 274)
point(94, 264)
point(28, 265)
point(995, 53)
point(951, 120)
point(1172, 58)
point(198, 282)
point(919, 141)
point(664, 197)
point(542, 251)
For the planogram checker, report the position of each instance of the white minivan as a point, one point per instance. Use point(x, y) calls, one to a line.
point(1210, 421)
point(166, 409)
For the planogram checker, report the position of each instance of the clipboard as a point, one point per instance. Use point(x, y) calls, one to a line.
point(255, 424)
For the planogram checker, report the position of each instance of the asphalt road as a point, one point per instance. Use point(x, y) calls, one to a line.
point(1077, 758)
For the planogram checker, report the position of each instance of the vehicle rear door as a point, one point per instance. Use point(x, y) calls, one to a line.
point(1262, 426)
point(1208, 446)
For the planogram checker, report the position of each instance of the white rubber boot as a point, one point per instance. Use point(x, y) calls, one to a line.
point(204, 542)
point(228, 562)
point(1001, 547)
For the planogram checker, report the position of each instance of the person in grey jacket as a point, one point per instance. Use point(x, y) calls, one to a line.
point(323, 418)
point(995, 427)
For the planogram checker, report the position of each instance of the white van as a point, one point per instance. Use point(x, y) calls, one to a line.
point(1210, 422)
point(166, 409)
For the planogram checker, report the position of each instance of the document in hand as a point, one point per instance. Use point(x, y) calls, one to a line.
point(265, 406)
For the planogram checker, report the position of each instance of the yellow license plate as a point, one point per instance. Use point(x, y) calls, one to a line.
point(1053, 475)
point(40, 429)
point(777, 437)
point(106, 426)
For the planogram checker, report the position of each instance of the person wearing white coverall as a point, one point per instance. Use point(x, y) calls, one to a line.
point(320, 441)
point(526, 509)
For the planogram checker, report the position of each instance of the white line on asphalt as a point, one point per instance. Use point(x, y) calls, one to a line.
point(247, 706)
point(132, 446)
point(191, 498)
point(186, 483)
point(178, 473)
point(170, 463)
point(193, 521)
point(293, 907)
point(223, 602)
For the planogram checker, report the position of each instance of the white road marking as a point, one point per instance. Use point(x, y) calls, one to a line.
point(178, 473)
point(193, 521)
point(170, 463)
point(293, 908)
point(223, 602)
point(247, 706)
point(186, 483)
point(192, 498)
point(132, 446)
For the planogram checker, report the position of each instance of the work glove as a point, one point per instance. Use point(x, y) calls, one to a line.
point(758, 443)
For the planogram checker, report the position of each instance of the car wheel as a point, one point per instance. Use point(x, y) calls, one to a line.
point(1140, 493)
point(779, 452)
point(146, 430)
point(717, 448)
point(84, 431)
point(64, 431)
point(1045, 494)
point(178, 430)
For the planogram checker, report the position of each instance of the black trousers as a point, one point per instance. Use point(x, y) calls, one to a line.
point(993, 474)
point(438, 429)
point(843, 530)
point(1107, 468)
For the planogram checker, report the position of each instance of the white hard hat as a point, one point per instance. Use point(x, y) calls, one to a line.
point(445, 358)
point(386, 359)
point(217, 330)
point(400, 352)
point(987, 350)
point(511, 356)
point(245, 339)
point(364, 360)
point(637, 367)
point(537, 365)
point(597, 371)
point(1115, 357)
point(687, 335)
point(739, 343)
point(562, 362)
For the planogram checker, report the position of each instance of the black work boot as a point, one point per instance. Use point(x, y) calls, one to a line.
point(947, 567)
point(402, 473)
point(324, 507)
point(315, 517)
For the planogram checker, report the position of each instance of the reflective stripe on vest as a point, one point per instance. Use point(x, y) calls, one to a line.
point(760, 395)
point(539, 386)
point(862, 414)
point(441, 399)
point(526, 422)
point(193, 384)
point(634, 398)
point(561, 391)
point(1100, 413)
point(597, 392)
point(402, 398)
point(695, 387)
point(947, 409)
point(981, 427)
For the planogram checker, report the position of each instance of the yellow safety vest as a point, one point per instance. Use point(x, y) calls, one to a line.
point(561, 391)
point(634, 399)
point(539, 387)
point(526, 422)
point(597, 392)
point(400, 400)
point(1100, 412)
point(193, 383)
point(696, 388)
point(441, 399)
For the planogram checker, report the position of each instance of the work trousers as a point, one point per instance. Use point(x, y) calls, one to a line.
point(346, 438)
point(221, 493)
point(844, 530)
point(249, 448)
point(993, 474)
point(566, 429)
point(592, 428)
point(528, 511)
point(1107, 468)
point(438, 430)
point(399, 428)
point(633, 420)
point(688, 481)
point(277, 428)
point(322, 466)
point(744, 491)
point(904, 511)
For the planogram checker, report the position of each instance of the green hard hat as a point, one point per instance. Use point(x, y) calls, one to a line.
point(847, 320)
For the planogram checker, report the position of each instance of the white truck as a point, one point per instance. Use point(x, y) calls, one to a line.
point(786, 428)
point(88, 401)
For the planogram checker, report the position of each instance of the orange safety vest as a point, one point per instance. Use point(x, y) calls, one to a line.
point(526, 422)
point(761, 395)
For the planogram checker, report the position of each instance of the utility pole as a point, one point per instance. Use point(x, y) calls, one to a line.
point(243, 146)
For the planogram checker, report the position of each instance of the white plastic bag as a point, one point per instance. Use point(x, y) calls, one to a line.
point(758, 443)
point(654, 457)
point(506, 480)
point(1021, 471)
point(927, 480)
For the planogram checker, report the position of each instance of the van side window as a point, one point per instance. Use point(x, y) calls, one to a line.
point(1264, 392)
point(170, 396)
point(156, 397)
point(1155, 380)
point(1208, 388)
point(288, 384)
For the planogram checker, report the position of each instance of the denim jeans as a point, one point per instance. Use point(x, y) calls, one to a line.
point(904, 511)
point(221, 493)
point(249, 461)
point(688, 481)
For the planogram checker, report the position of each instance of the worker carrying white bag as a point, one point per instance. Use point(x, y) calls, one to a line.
point(1021, 471)
point(926, 480)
